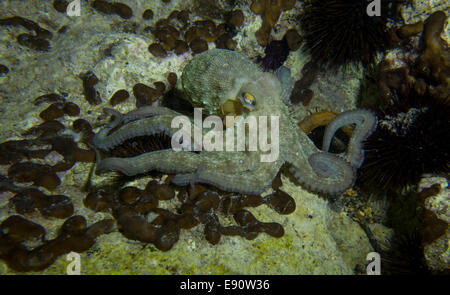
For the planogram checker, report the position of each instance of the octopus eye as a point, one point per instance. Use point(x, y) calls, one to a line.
point(248, 99)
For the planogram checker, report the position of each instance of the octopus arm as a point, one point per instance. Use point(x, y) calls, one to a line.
point(287, 82)
point(146, 126)
point(167, 161)
point(326, 173)
point(148, 111)
point(244, 182)
point(365, 122)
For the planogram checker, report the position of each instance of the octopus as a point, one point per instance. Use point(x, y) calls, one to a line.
point(225, 82)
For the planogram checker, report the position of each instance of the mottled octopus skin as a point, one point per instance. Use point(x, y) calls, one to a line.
point(242, 172)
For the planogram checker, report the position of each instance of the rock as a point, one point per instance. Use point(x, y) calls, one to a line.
point(437, 253)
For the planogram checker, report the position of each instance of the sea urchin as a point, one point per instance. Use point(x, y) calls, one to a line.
point(338, 32)
point(412, 139)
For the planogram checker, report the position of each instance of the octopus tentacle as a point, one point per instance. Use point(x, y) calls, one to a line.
point(146, 126)
point(148, 111)
point(327, 173)
point(117, 119)
point(167, 161)
point(365, 122)
point(245, 182)
point(287, 82)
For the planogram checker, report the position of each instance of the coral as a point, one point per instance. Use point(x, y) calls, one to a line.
point(436, 219)
point(434, 61)
point(226, 41)
point(413, 134)
point(160, 87)
point(22, 242)
point(180, 47)
point(58, 152)
point(339, 32)
point(96, 201)
point(281, 202)
point(57, 109)
point(270, 12)
point(236, 171)
point(36, 173)
point(14, 151)
point(211, 9)
point(409, 30)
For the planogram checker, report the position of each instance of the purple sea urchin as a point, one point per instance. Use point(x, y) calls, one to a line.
point(338, 32)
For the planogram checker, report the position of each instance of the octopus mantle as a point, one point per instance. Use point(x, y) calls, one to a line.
point(221, 75)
